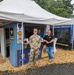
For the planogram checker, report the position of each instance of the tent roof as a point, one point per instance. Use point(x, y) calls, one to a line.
point(30, 12)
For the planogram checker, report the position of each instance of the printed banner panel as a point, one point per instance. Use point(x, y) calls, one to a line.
point(19, 32)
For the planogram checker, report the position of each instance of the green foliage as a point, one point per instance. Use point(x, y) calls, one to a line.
point(59, 7)
point(72, 16)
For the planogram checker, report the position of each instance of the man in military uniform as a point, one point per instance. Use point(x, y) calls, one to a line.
point(35, 43)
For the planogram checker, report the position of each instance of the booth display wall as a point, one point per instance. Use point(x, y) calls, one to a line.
point(14, 46)
point(64, 33)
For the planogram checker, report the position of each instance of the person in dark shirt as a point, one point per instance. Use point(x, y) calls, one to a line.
point(49, 39)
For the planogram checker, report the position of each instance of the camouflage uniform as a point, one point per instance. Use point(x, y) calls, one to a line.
point(34, 41)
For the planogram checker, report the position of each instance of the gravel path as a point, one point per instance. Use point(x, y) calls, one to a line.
point(53, 69)
point(63, 64)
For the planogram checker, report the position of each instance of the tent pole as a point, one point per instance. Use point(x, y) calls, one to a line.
point(53, 30)
point(22, 45)
point(72, 42)
point(53, 36)
point(72, 35)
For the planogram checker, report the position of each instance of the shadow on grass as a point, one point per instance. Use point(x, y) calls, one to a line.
point(53, 69)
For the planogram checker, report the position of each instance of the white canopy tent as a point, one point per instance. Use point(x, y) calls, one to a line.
point(30, 12)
